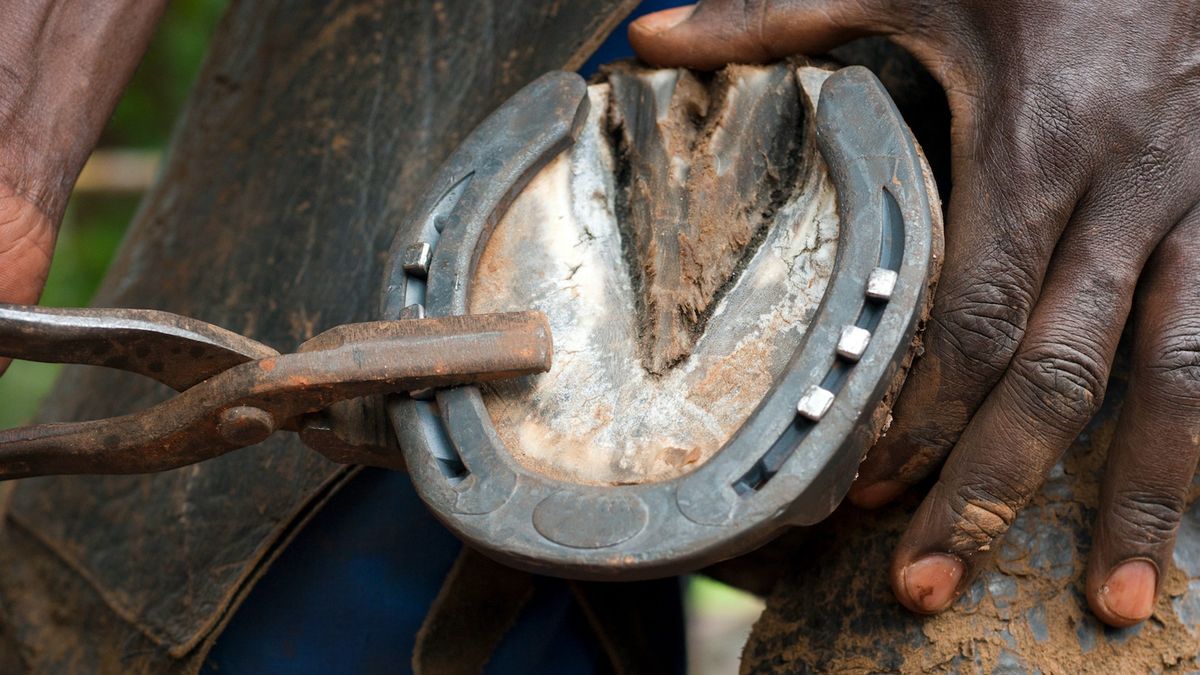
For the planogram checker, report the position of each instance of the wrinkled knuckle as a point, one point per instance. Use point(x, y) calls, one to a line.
point(1173, 361)
point(982, 326)
point(982, 513)
point(1060, 384)
point(752, 17)
point(1149, 515)
point(748, 13)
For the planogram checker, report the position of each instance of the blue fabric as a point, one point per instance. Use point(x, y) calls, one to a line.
point(348, 595)
point(350, 592)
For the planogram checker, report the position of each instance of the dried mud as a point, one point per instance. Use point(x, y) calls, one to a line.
point(704, 162)
point(1027, 612)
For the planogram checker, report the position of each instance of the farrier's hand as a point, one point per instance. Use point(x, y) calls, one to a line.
point(26, 243)
point(1076, 167)
point(63, 64)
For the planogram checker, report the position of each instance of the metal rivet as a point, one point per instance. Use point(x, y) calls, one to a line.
point(245, 425)
point(853, 343)
point(815, 403)
point(881, 283)
point(416, 258)
point(413, 312)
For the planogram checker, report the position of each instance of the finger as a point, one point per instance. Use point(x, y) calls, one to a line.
point(716, 32)
point(1154, 453)
point(1052, 387)
point(1006, 216)
point(26, 244)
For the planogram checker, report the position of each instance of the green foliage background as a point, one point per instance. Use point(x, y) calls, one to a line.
point(95, 223)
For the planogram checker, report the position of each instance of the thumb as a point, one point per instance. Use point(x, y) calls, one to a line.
point(710, 34)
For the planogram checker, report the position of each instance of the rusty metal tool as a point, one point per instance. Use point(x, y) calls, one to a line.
point(236, 392)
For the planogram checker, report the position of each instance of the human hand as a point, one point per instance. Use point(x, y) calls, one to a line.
point(1076, 170)
point(63, 65)
point(26, 244)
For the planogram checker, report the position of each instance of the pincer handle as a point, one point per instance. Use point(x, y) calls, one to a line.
point(246, 403)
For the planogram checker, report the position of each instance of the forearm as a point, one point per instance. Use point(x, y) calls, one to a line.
point(63, 66)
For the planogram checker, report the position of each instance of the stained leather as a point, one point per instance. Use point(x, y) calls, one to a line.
point(311, 129)
point(478, 603)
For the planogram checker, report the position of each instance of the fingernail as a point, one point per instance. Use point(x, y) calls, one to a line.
point(875, 495)
point(660, 22)
point(931, 581)
point(1129, 591)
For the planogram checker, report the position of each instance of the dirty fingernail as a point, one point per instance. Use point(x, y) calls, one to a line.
point(1129, 591)
point(875, 495)
point(660, 22)
point(930, 582)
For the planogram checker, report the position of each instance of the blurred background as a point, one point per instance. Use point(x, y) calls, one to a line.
point(110, 187)
point(106, 197)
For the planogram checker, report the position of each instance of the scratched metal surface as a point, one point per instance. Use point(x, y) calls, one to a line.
point(310, 131)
